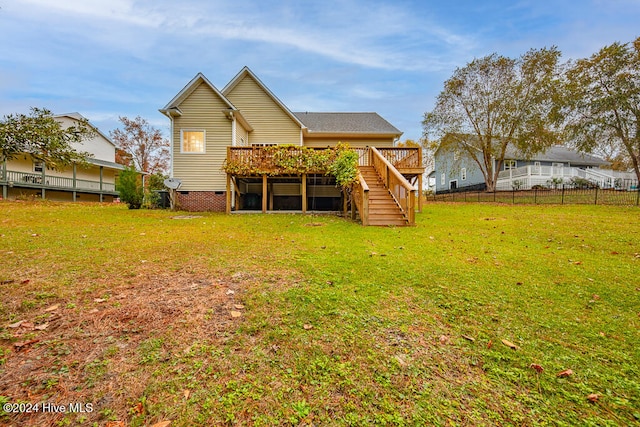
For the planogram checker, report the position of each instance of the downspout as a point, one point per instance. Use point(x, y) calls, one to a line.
point(171, 150)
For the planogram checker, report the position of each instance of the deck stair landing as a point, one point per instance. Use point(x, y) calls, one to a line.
point(383, 209)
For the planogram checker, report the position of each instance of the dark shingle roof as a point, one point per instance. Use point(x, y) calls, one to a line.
point(560, 154)
point(359, 123)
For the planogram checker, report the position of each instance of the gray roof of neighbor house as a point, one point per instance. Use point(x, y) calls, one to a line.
point(354, 123)
point(559, 154)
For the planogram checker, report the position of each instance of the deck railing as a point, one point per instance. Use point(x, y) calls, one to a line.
point(260, 159)
point(402, 191)
point(38, 180)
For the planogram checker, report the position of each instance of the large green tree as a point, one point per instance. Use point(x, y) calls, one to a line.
point(602, 102)
point(496, 102)
point(40, 136)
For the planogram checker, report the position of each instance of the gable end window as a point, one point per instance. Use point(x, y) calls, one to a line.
point(463, 174)
point(192, 141)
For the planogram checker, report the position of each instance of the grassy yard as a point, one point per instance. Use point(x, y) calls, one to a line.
point(467, 319)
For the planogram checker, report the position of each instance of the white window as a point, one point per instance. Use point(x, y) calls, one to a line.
point(443, 179)
point(463, 174)
point(38, 166)
point(192, 141)
point(510, 164)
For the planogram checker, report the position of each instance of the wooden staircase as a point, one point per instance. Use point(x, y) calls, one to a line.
point(383, 209)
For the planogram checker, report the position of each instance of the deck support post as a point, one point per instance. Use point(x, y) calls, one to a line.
point(228, 194)
point(304, 193)
point(264, 193)
point(345, 203)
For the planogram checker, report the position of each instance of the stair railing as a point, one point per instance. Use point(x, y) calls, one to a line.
point(360, 194)
point(402, 191)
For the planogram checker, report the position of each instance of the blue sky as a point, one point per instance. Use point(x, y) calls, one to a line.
point(110, 58)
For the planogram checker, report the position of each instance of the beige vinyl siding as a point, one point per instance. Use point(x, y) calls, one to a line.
point(354, 142)
point(242, 134)
point(202, 110)
point(271, 124)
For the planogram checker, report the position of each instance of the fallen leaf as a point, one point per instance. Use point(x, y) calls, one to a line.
point(230, 292)
point(52, 308)
point(565, 373)
point(307, 327)
point(27, 325)
point(468, 338)
point(238, 306)
point(595, 297)
point(99, 300)
point(115, 424)
point(577, 263)
point(593, 397)
point(42, 327)
point(490, 344)
point(16, 325)
point(24, 282)
point(186, 394)
point(162, 424)
point(401, 360)
point(236, 314)
point(536, 367)
point(510, 344)
point(24, 344)
point(34, 235)
point(444, 339)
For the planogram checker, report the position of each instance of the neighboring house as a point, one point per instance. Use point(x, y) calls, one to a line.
point(457, 171)
point(209, 126)
point(96, 182)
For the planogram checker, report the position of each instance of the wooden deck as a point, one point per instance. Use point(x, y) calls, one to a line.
point(44, 182)
point(397, 171)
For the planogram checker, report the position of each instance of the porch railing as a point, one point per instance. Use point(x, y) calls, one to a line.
point(402, 191)
point(38, 180)
point(531, 175)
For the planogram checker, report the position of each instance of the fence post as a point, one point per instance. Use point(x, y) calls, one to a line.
point(494, 195)
point(638, 196)
point(595, 202)
point(513, 196)
point(535, 196)
point(562, 194)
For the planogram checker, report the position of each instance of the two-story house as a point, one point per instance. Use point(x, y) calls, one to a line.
point(238, 123)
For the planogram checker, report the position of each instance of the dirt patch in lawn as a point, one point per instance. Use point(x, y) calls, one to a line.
point(93, 350)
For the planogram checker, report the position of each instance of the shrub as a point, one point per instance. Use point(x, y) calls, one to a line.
point(129, 186)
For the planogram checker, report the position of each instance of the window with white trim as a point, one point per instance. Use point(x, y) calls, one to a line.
point(192, 141)
point(510, 164)
point(38, 166)
point(463, 174)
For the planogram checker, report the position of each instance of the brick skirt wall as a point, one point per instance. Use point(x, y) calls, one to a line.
point(198, 201)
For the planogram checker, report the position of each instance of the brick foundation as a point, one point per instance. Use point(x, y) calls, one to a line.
point(198, 201)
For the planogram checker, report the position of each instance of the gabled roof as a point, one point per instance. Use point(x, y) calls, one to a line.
point(558, 154)
point(347, 123)
point(78, 116)
point(172, 107)
point(247, 72)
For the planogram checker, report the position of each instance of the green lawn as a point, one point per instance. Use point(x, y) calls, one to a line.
point(315, 320)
